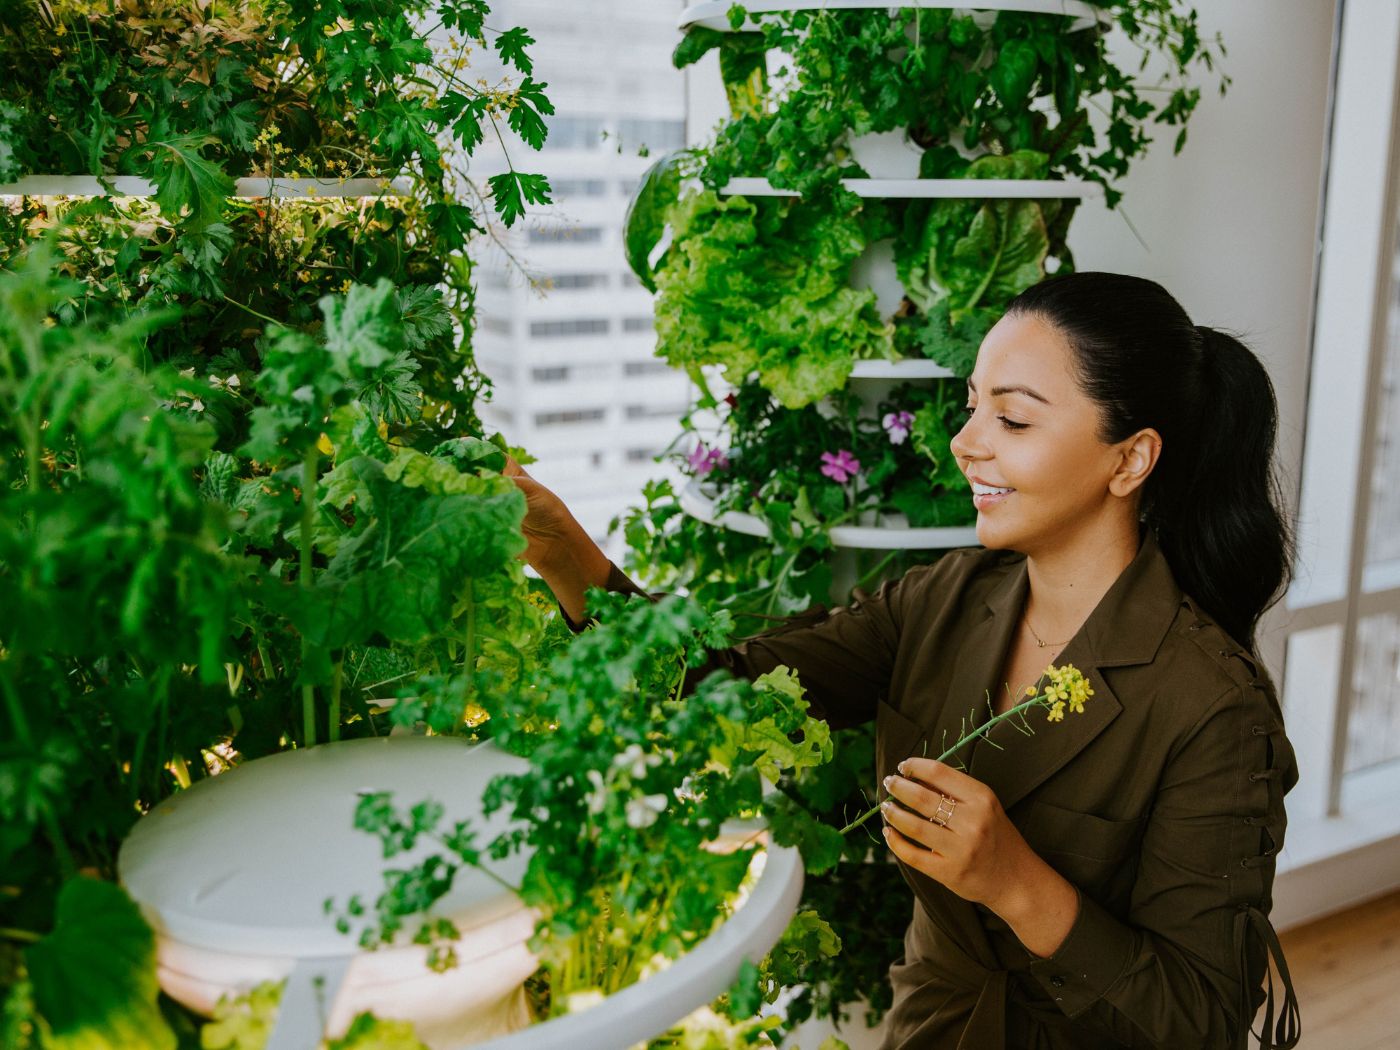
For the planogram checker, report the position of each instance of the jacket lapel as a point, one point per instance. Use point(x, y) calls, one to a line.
point(1125, 628)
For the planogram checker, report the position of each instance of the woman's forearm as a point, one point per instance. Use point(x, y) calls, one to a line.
point(574, 564)
point(1041, 907)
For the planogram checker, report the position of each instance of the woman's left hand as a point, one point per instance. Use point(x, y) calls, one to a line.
point(978, 853)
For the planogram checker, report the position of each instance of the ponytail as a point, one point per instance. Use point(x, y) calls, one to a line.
point(1213, 499)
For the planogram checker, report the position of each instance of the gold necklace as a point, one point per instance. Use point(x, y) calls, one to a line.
point(1038, 640)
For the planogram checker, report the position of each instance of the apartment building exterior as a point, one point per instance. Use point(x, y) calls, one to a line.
point(565, 331)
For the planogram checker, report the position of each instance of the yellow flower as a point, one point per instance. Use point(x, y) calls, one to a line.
point(1056, 712)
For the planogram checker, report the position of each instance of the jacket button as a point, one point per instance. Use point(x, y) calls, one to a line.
point(1057, 981)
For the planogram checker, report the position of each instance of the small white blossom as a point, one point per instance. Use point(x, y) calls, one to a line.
point(643, 810)
point(598, 797)
point(635, 761)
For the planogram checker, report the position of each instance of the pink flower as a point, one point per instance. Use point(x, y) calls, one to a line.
point(840, 467)
point(897, 425)
point(703, 460)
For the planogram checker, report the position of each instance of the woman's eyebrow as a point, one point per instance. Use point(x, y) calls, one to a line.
point(998, 391)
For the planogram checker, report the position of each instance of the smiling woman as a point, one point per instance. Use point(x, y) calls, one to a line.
point(1108, 884)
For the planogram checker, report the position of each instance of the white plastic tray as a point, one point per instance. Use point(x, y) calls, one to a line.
point(130, 186)
point(863, 537)
point(911, 368)
point(714, 14)
point(960, 189)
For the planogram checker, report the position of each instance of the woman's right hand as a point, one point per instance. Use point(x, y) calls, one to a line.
point(556, 545)
point(548, 524)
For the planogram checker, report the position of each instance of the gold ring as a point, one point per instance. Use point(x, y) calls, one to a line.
point(944, 813)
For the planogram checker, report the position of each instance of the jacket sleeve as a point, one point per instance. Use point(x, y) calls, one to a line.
point(1184, 968)
point(843, 656)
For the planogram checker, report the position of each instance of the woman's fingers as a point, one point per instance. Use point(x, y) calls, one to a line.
point(941, 777)
point(912, 825)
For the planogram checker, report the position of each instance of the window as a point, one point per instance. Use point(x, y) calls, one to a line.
point(559, 329)
point(646, 368)
point(628, 186)
point(641, 455)
point(584, 133)
point(566, 234)
point(569, 282)
point(638, 324)
point(495, 325)
point(555, 374)
point(628, 279)
point(582, 415)
point(564, 188)
point(655, 411)
point(656, 135)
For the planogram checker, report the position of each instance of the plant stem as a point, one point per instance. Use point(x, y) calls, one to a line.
point(982, 730)
point(333, 722)
point(308, 526)
point(25, 936)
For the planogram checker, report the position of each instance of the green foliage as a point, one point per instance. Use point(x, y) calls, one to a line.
point(91, 1000)
point(636, 782)
point(244, 1022)
point(168, 608)
point(1021, 81)
point(191, 95)
point(762, 286)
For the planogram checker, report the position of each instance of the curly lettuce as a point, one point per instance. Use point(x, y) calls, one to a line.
point(762, 286)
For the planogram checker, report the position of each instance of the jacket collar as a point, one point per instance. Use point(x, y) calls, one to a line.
point(1126, 628)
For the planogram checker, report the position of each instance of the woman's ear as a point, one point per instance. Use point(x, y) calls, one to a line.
point(1138, 455)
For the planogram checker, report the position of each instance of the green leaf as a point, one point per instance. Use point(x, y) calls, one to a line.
point(511, 46)
point(189, 189)
point(98, 999)
point(645, 221)
point(511, 190)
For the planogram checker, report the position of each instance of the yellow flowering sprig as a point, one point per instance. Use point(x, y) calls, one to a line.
point(1058, 688)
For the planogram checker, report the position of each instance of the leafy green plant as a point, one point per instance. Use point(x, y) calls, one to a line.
point(629, 791)
point(190, 96)
point(1016, 82)
point(762, 286)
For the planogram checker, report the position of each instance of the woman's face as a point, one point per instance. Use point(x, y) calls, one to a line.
point(1040, 474)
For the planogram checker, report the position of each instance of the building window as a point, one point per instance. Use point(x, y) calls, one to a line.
point(582, 415)
point(596, 459)
point(638, 324)
point(656, 135)
point(628, 279)
point(575, 281)
point(629, 186)
point(646, 368)
point(641, 455)
point(564, 188)
point(584, 133)
point(558, 329)
point(495, 325)
point(655, 411)
point(566, 235)
point(555, 374)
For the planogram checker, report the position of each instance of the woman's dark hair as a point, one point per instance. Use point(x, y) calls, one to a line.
point(1213, 499)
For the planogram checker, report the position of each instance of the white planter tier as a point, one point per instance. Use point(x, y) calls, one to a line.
point(130, 186)
point(233, 875)
point(654, 1004)
point(908, 369)
point(863, 537)
point(714, 14)
point(961, 189)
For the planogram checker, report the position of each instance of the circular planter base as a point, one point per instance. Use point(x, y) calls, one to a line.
point(697, 504)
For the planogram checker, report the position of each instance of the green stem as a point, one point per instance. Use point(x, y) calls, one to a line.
point(308, 528)
point(25, 936)
point(333, 723)
point(982, 730)
point(879, 568)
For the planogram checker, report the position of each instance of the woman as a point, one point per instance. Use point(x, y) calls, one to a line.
point(1104, 882)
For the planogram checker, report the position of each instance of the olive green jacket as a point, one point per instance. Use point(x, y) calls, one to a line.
point(1162, 803)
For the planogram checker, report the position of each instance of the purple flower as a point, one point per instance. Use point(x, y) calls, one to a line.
point(897, 425)
point(703, 460)
point(840, 467)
